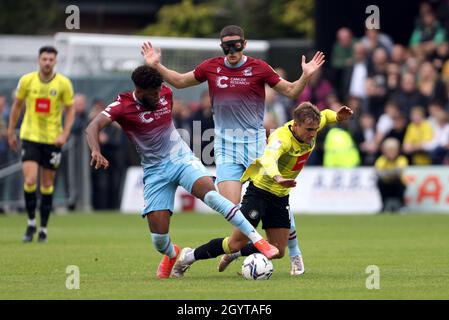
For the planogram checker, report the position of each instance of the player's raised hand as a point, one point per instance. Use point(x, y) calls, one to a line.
point(313, 65)
point(344, 113)
point(152, 56)
point(286, 183)
point(98, 160)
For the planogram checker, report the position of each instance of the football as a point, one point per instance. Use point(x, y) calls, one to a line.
point(257, 267)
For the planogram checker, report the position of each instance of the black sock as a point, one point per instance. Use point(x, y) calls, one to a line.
point(30, 204)
point(212, 249)
point(249, 249)
point(46, 206)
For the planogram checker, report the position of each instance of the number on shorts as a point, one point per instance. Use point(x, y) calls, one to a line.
point(55, 159)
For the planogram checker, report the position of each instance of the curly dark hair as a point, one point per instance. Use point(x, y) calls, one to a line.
point(146, 77)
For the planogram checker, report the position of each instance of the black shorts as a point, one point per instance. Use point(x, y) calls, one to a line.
point(258, 204)
point(47, 155)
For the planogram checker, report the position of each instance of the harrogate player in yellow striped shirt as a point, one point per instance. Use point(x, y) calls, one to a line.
point(46, 95)
point(285, 156)
point(44, 103)
point(266, 198)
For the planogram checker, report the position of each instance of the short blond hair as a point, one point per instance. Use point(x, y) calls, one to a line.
point(306, 111)
point(391, 143)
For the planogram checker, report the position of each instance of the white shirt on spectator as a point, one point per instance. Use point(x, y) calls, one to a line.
point(384, 124)
point(358, 79)
point(440, 137)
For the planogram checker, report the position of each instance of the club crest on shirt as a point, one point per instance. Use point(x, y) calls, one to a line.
point(218, 69)
point(146, 117)
point(163, 101)
point(248, 72)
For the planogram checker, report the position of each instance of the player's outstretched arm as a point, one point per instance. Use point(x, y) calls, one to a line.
point(13, 118)
point(92, 132)
point(178, 80)
point(294, 89)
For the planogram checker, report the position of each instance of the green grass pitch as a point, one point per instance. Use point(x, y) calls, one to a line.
point(117, 261)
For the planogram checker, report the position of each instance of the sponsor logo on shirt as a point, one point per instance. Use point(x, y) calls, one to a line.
point(221, 82)
point(146, 117)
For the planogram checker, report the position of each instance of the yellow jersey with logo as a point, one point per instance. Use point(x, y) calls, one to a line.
point(44, 102)
point(284, 155)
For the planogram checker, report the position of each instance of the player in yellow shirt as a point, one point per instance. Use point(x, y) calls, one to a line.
point(46, 95)
point(271, 177)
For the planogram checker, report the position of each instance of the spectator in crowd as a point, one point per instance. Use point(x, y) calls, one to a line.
point(393, 77)
point(374, 39)
point(399, 128)
point(356, 106)
point(390, 181)
point(81, 116)
point(399, 54)
point(412, 64)
point(275, 108)
point(408, 95)
point(417, 135)
point(356, 74)
point(440, 57)
point(182, 120)
point(439, 146)
point(428, 34)
point(79, 147)
point(376, 84)
point(341, 56)
point(386, 122)
point(340, 150)
point(106, 183)
point(316, 91)
point(434, 108)
point(429, 85)
point(364, 139)
point(288, 103)
point(204, 117)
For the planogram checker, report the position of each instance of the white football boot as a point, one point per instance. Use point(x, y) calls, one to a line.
point(297, 266)
point(181, 266)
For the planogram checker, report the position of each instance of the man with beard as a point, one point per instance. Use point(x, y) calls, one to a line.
point(46, 95)
point(146, 117)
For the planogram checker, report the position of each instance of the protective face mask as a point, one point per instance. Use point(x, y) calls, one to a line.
point(232, 46)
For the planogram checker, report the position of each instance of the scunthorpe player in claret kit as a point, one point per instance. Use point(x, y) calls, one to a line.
point(237, 91)
point(271, 177)
point(146, 117)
